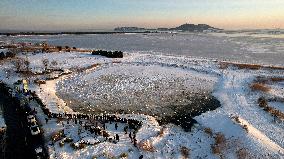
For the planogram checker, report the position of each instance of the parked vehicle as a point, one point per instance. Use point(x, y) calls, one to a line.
point(33, 123)
point(31, 118)
point(39, 153)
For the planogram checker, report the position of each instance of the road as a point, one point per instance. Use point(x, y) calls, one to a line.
point(20, 142)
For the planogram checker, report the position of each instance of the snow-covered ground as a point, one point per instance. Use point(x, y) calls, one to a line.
point(277, 105)
point(2, 121)
point(237, 129)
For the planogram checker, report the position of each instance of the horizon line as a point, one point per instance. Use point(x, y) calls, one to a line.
point(112, 30)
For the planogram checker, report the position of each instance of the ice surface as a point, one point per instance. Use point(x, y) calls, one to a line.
point(125, 87)
point(242, 47)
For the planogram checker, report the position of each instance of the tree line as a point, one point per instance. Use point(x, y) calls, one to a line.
point(109, 54)
point(8, 54)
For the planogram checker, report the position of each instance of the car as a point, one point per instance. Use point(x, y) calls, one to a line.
point(35, 130)
point(33, 123)
point(31, 118)
point(39, 152)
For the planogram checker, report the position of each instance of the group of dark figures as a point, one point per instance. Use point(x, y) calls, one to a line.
point(109, 54)
point(131, 124)
point(131, 127)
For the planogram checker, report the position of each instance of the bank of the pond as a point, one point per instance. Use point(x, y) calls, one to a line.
point(184, 114)
point(181, 115)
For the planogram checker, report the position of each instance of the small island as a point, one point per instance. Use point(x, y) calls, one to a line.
point(182, 28)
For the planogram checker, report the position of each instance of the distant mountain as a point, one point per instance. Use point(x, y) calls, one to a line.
point(183, 28)
point(193, 27)
point(128, 29)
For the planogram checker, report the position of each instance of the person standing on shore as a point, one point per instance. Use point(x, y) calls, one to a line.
point(135, 142)
point(104, 126)
point(130, 136)
point(125, 129)
point(117, 137)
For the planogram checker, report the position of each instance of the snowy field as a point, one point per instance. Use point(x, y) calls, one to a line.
point(146, 85)
point(2, 121)
point(140, 72)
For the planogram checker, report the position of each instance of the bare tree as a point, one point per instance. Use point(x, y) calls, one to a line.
point(18, 63)
point(27, 65)
point(2, 55)
point(54, 63)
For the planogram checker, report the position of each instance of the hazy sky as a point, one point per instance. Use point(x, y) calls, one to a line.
point(107, 14)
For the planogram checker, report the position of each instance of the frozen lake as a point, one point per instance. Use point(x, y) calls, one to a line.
point(149, 89)
point(241, 47)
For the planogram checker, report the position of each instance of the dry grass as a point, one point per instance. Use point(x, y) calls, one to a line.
point(236, 118)
point(87, 68)
point(50, 48)
point(277, 79)
point(146, 145)
point(225, 65)
point(248, 66)
point(223, 146)
point(220, 144)
point(245, 127)
point(216, 149)
point(185, 152)
point(161, 132)
point(242, 154)
point(219, 139)
point(275, 67)
point(269, 79)
point(208, 131)
point(259, 87)
point(262, 102)
point(275, 112)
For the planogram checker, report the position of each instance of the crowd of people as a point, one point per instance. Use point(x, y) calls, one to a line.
point(98, 124)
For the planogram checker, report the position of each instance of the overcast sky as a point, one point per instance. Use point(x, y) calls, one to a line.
point(107, 14)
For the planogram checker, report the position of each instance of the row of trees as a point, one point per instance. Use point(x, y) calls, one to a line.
point(22, 65)
point(8, 54)
point(67, 48)
point(109, 54)
point(47, 64)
